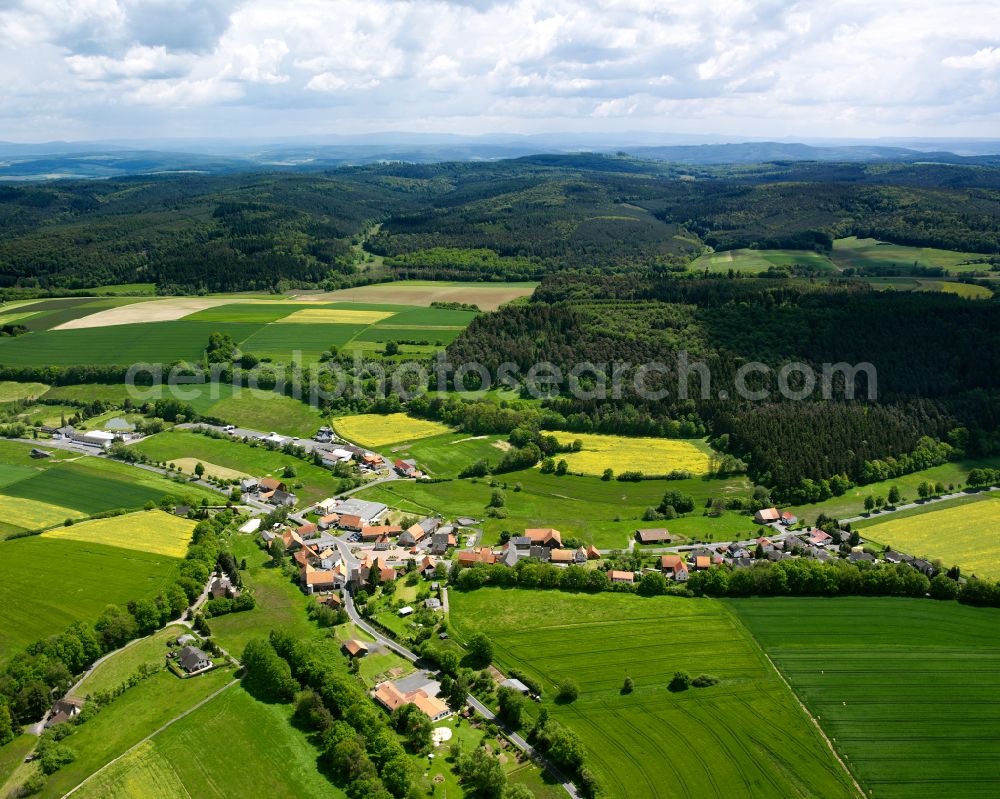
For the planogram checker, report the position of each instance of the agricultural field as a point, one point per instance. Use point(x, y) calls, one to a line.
point(127, 720)
point(488, 296)
point(41, 493)
point(446, 455)
point(189, 465)
point(625, 453)
point(375, 430)
point(756, 261)
point(155, 531)
point(11, 391)
point(903, 687)
point(114, 671)
point(605, 513)
point(232, 746)
point(744, 737)
point(852, 503)
point(162, 330)
point(116, 393)
point(267, 410)
point(853, 252)
point(312, 482)
point(46, 584)
point(964, 534)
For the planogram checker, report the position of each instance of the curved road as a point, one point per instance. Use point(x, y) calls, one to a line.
point(478, 706)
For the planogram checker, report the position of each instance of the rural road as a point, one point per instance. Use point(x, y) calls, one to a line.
point(922, 503)
point(480, 708)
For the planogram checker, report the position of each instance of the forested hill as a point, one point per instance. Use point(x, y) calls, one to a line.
point(938, 375)
point(520, 218)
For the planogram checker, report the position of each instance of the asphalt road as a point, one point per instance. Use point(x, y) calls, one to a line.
point(480, 708)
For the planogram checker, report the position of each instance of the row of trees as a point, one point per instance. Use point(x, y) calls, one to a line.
point(32, 676)
point(795, 577)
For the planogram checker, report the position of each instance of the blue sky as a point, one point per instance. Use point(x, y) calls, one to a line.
point(90, 69)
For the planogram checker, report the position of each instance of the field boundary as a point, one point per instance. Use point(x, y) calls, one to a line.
point(850, 774)
point(152, 735)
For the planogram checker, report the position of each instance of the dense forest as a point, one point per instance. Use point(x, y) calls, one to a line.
point(921, 389)
point(514, 219)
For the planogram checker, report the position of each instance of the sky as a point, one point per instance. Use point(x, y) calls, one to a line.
point(114, 69)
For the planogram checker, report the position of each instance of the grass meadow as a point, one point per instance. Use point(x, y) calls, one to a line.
point(905, 688)
point(744, 737)
point(756, 261)
point(46, 584)
point(119, 667)
point(446, 455)
point(377, 430)
point(852, 503)
point(11, 391)
point(155, 531)
point(605, 513)
point(965, 533)
point(127, 720)
point(316, 482)
point(871, 253)
point(625, 453)
point(232, 746)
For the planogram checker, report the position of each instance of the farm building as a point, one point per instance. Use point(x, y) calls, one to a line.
point(283, 498)
point(544, 536)
point(515, 685)
point(617, 576)
point(368, 512)
point(328, 521)
point(356, 648)
point(63, 710)
point(656, 535)
point(470, 557)
point(406, 468)
point(373, 532)
point(442, 540)
point(766, 516)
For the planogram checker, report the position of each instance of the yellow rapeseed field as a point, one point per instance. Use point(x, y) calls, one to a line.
point(32, 514)
point(375, 430)
point(623, 453)
point(335, 316)
point(146, 531)
point(966, 535)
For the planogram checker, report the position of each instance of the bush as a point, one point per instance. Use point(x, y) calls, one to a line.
point(704, 681)
point(680, 682)
point(568, 691)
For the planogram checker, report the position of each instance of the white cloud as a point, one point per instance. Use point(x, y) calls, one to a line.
point(846, 67)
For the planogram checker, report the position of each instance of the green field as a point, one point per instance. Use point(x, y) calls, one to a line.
point(268, 411)
point(870, 253)
point(852, 503)
point(121, 665)
point(317, 482)
point(47, 584)
point(280, 603)
point(448, 454)
point(604, 513)
point(963, 533)
point(905, 688)
point(268, 329)
point(40, 493)
point(10, 391)
point(87, 392)
point(127, 720)
point(232, 746)
point(756, 261)
point(745, 737)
